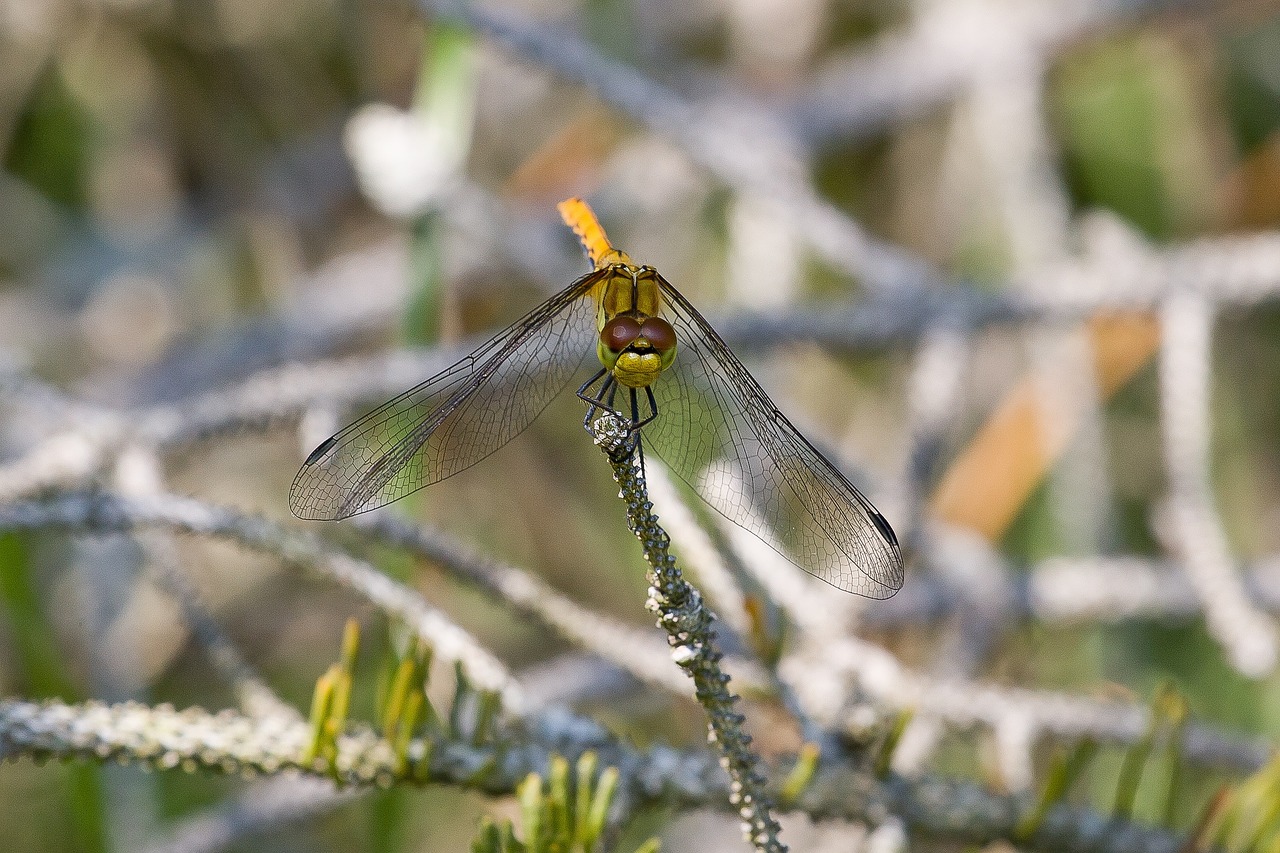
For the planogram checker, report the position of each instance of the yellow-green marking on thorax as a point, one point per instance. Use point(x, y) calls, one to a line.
point(635, 343)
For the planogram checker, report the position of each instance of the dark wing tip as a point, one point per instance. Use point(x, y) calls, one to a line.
point(879, 569)
point(882, 524)
point(323, 448)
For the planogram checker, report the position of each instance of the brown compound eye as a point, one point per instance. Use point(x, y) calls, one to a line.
point(619, 333)
point(659, 334)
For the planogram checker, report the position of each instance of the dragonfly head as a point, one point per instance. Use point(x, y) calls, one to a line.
point(636, 349)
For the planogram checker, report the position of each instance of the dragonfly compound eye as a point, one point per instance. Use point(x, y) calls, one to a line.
point(659, 334)
point(619, 333)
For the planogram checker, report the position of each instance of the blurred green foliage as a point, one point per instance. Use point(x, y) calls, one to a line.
point(50, 147)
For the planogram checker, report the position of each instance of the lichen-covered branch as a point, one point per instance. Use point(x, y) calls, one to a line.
point(164, 738)
point(688, 624)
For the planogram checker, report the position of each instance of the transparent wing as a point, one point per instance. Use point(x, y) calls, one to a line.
point(718, 430)
point(454, 419)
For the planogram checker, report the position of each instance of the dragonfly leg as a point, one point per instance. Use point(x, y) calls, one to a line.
point(604, 398)
point(593, 400)
point(633, 427)
point(640, 453)
point(633, 444)
point(582, 389)
point(636, 421)
point(601, 399)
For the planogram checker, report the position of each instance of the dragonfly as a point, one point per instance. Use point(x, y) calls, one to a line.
point(663, 372)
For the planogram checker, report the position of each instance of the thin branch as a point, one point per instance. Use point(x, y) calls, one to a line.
point(1248, 636)
point(228, 742)
point(641, 653)
point(688, 624)
point(906, 75)
point(99, 512)
point(266, 807)
point(874, 670)
point(962, 704)
point(255, 696)
point(739, 150)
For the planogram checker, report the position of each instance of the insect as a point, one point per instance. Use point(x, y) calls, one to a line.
point(684, 394)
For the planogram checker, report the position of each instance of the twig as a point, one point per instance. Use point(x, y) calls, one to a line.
point(255, 696)
point(887, 681)
point(1248, 636)
point(907, 74)
point(964, 704)
point(260, 809)
point(228, 742)
point(687, 622)
point(739, 150)
point(639, 652)
point(100, 511)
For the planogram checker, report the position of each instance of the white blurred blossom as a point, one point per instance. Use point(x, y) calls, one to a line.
point(404, 162)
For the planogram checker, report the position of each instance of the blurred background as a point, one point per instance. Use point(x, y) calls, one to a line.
point(1015, 264)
